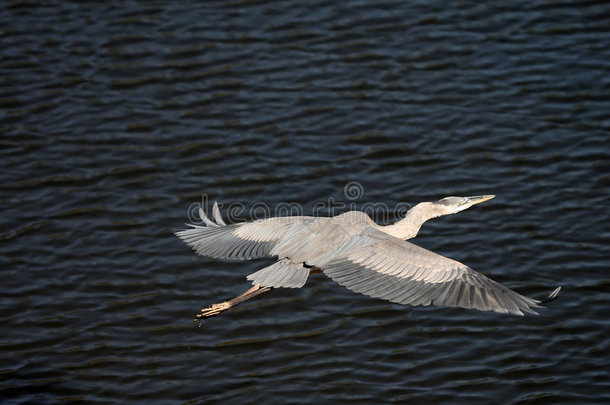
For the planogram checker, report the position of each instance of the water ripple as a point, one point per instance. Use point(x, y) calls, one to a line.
point(117, 118)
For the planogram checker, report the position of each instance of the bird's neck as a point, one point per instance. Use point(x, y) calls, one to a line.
point(408, 227)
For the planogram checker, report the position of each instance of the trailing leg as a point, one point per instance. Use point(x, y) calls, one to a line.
point(223, 306)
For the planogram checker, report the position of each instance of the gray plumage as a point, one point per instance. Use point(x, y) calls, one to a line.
point(360, 255)
point(282, 274)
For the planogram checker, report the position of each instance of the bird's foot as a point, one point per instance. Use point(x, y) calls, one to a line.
point(213, 310)
point(223, 306)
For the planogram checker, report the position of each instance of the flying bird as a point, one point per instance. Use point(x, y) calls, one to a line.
point(358, 254)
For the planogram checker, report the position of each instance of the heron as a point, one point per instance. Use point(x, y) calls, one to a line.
point(357, 253)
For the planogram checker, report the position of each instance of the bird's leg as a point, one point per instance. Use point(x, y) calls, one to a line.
point(223, 306)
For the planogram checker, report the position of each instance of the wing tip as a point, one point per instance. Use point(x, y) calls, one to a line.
point(552, 296)
point(530, 308)
point(218, 222)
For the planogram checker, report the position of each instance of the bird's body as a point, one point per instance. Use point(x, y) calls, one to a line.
point(357, 253)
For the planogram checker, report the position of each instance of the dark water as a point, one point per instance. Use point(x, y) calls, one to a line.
point(116, 118)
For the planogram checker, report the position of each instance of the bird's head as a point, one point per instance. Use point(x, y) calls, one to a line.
point(451, 205)
point(409, 226)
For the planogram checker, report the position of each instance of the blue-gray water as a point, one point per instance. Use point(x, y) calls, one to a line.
point(117, 116)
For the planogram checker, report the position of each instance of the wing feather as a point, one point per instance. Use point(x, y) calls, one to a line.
point(283, 273)
point(243, 241)
point(379, 265)
point(217, 216)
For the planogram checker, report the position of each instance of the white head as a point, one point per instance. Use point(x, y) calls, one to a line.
point(451, 205)
point(409, 226)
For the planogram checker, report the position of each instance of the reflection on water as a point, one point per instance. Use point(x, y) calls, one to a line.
point(116, 118)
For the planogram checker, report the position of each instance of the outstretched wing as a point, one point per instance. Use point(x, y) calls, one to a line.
point(243, 241)
point(382, 266)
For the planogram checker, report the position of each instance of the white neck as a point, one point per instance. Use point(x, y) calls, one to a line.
point(408, 227)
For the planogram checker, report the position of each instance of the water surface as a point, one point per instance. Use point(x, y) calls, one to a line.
point(116, 118)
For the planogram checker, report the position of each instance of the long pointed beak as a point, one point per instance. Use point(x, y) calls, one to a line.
point(479, 199)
